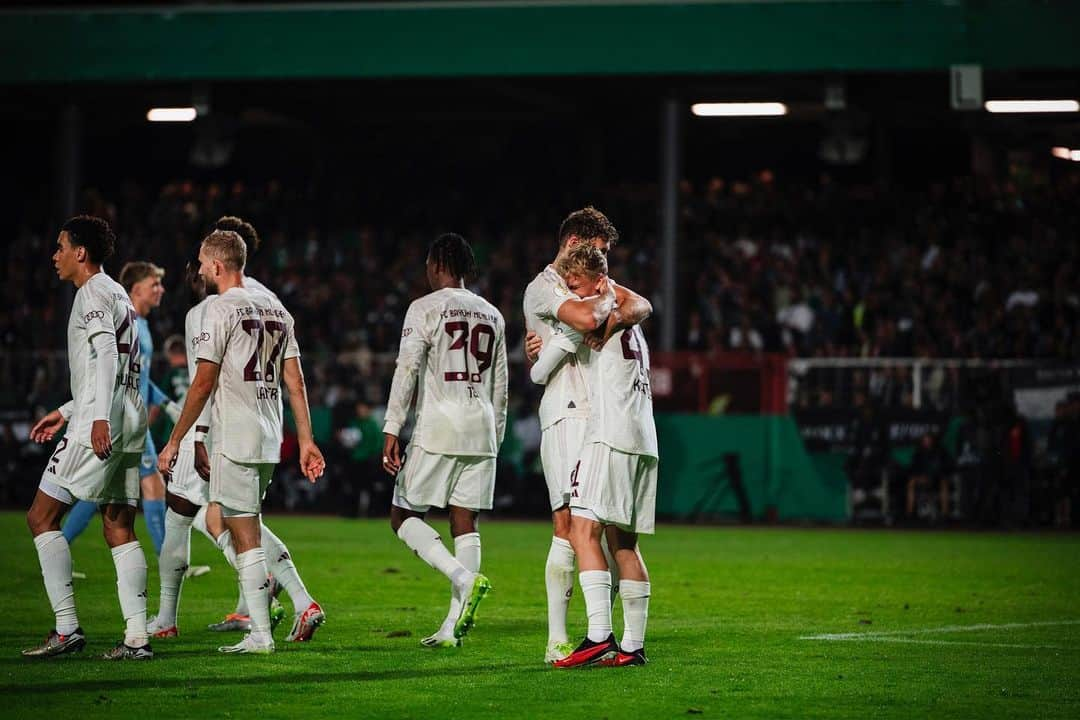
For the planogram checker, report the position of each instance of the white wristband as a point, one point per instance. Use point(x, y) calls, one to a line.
point(200, 436)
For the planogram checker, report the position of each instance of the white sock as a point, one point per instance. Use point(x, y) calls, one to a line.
point(255, 580)
point(172, 564)
point(224, 543)
point(559, 582)
point(281, 565)
point(613, 567)
point(199, 523)
point(467, 552)
point(54, 555)
point(596, 587)
point(130, 565)
point(635, 604)
point(424, 541)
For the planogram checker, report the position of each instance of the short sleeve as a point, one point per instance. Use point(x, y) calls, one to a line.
point(95, 311)
point(292, 348)
point(215, 335)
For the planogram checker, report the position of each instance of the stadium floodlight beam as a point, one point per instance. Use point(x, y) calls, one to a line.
point(739, 109)
point(1032, 106)
point(171, 114)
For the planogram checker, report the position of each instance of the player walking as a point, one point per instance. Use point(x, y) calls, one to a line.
point(248, 348)
point(97, 459)
point(453, 354)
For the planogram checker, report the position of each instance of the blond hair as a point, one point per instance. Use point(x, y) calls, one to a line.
point(582, 259)
point(228, 247)
point(135, 272)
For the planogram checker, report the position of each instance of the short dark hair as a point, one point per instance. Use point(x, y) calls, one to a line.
point(92, 233)
point(588, 223)
point(242, 228)
point(452, 253)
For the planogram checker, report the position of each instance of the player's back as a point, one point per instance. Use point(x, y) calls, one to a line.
point(459, 404)
point(620, 394)
point(249, 335)
point(102, 306)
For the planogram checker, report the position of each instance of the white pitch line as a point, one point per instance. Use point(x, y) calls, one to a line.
point(945, 629)
point(915, 641)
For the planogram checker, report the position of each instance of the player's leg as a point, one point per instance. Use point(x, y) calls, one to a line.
point(245, 534)
point(595, 579)
point(463, 528)
point(173, 562)
point(54, 555)
point(308, 615)
point(130, 562)
point(635, 590)
point(559, 584)
point(152, 491)
point(210, 523)
point(80, 515)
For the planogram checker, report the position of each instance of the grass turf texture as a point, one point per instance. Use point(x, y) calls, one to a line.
point(728, 610)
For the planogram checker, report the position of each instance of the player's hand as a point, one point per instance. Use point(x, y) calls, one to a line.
point(101, 439)
point(166, 459)
point(391, 455)
point(533, 346)
point(202, 461)
point(312, 463)
point(599, 337)
point(46, 428)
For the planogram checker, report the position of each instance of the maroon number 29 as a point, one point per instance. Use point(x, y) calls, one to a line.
point(470, 343)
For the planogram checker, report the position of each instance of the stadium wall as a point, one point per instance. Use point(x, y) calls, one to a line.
point(542, 37)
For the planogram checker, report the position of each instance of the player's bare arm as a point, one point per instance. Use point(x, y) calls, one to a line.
point(586, 315)
point(630, 309)
point(206, 376)
point(312, 463)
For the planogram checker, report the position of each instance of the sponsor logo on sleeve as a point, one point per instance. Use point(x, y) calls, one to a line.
point(94, 315)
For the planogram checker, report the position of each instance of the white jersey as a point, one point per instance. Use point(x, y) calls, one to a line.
point(102, 306)
point(193, 331)
point(455, 342)
point(249, 335)
point(196, 336)
point(565, 394)
point(620, 394)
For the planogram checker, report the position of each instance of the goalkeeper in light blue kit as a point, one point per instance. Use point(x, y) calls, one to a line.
point(142, 281)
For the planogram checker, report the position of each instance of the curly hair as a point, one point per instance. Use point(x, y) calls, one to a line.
point(242, 228)
point(452, 253)
point(92, 233)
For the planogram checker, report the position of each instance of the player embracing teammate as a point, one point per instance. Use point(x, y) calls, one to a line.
point(612, 482)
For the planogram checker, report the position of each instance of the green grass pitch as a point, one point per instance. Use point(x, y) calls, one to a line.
point(730, 610)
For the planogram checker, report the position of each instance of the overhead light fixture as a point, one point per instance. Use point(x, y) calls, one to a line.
point(1032, 106)
point(739, 109)
point(173, 114)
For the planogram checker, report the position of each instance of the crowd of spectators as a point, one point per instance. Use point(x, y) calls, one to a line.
point(969, 268)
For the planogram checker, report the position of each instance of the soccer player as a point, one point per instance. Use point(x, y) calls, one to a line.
point(614, 482)
point(142, 280)
point(548, 304)
point(247, 350)
point(453, 354)
point(97, 459)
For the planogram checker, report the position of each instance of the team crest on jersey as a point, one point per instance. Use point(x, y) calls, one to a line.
point(561, 290)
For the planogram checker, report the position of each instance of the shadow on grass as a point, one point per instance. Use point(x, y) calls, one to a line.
point(285, 676)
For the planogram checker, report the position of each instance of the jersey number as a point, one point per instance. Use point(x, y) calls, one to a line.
point(632, 351)
point(470, 343)
point(131, 347)
point(255, 371)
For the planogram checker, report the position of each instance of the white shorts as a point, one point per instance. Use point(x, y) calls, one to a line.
point(185, 482)
point(560, 449)
point(430, 479)
point(238, 487)
point(75, 471)
point(616, 487)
